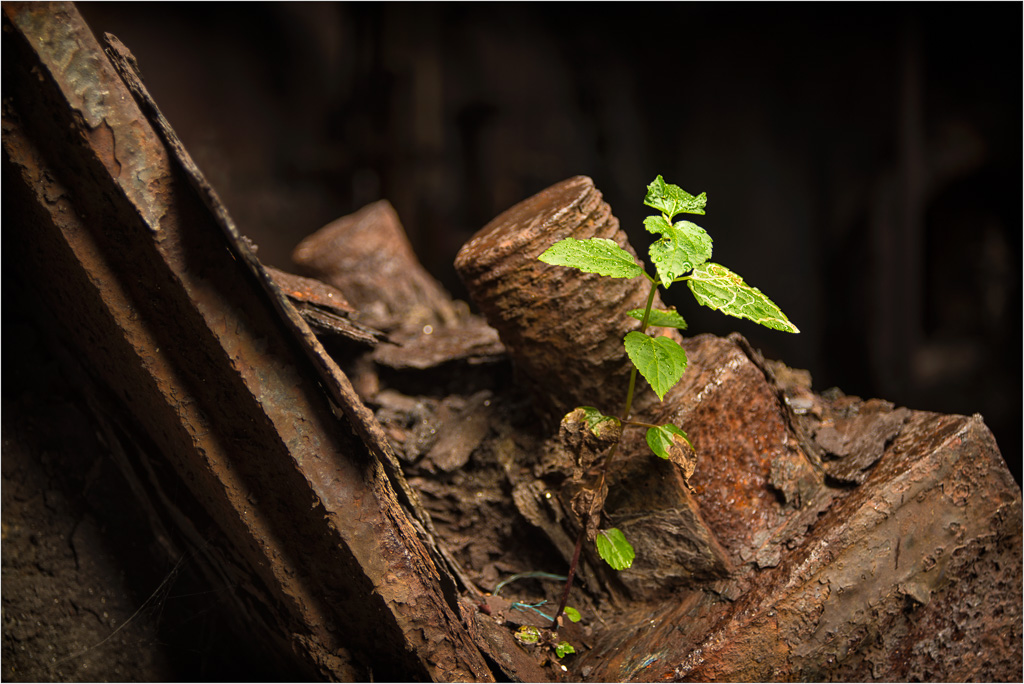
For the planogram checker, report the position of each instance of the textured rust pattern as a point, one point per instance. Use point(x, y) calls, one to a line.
point(887, 585)
point(367, 256)
point(751, 472)
point(563, 328)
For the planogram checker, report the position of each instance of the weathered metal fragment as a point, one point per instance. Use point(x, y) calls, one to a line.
point(367, 256)
point(917, 544)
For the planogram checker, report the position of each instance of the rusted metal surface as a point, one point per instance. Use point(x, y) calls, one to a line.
point(324, 308)
point(216, 366)
point(368, 257)
point(915, 545)
point(563, 328)
point(752, 474)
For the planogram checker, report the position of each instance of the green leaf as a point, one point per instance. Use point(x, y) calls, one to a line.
point(663, 438)
point(572, 614)
point(717, 287)
point(671, 443)
point(528, 634)
point(564, 648)
point(614, 549)
point(683, 247)
point(659, 359)
point(660, 318)
point(657, 224)
point(672, 199)
point(596, 255)
point(594, 418)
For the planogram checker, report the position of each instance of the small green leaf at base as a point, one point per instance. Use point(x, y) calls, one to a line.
point(667, 318)
point(528, 634)
point(564, 648)
point(596, 255)
point(659, 359)
point(614, 549)
point(663, 437)
point(572, 614)
point(671, 443)
point(716, 287)
point(595, 419)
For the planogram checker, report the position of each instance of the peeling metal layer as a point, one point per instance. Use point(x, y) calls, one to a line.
point(216, 366)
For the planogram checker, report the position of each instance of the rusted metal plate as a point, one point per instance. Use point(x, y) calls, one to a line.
point(216, 366)
point(886, 586)
point(752, 474)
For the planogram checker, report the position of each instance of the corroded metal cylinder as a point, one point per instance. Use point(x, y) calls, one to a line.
point(368, 257)
point(563, 328)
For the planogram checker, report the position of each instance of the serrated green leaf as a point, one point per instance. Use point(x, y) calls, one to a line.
point(660, 318)
point(672, 199)
point(659, 359)
point(572, 614)
point(681, 249)
point(614, 549)
point(657, 224)
point(596, 255)
point(594, 418)
point(564, 648)
point(716, 287)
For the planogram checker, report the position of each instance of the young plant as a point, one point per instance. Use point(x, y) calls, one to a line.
point(682, 253)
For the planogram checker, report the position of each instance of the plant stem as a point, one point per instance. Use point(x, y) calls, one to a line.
point(607, 462)
point(569, 578)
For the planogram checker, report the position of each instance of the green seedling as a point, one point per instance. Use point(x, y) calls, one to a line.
point(533, 636)
point(681, 253)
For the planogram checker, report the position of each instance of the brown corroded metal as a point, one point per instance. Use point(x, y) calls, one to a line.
point(323, 307)
point(215, 367)
point(563, 328)
point(368, 257)
point(752, 472)
point(886, 586)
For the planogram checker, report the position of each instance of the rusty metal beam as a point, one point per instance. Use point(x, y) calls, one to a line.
point(170, 312)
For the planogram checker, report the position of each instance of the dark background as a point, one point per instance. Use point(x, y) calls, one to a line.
point(862, 162)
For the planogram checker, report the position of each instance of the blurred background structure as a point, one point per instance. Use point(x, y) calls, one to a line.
point(863, 162)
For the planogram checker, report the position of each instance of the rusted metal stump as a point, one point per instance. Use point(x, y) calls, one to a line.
point(563, 328)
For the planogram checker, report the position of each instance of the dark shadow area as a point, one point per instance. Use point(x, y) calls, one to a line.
point(89, 592)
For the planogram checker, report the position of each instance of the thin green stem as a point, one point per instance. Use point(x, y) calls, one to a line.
point(607, 461)
point(636, 423)
point(650, 303)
